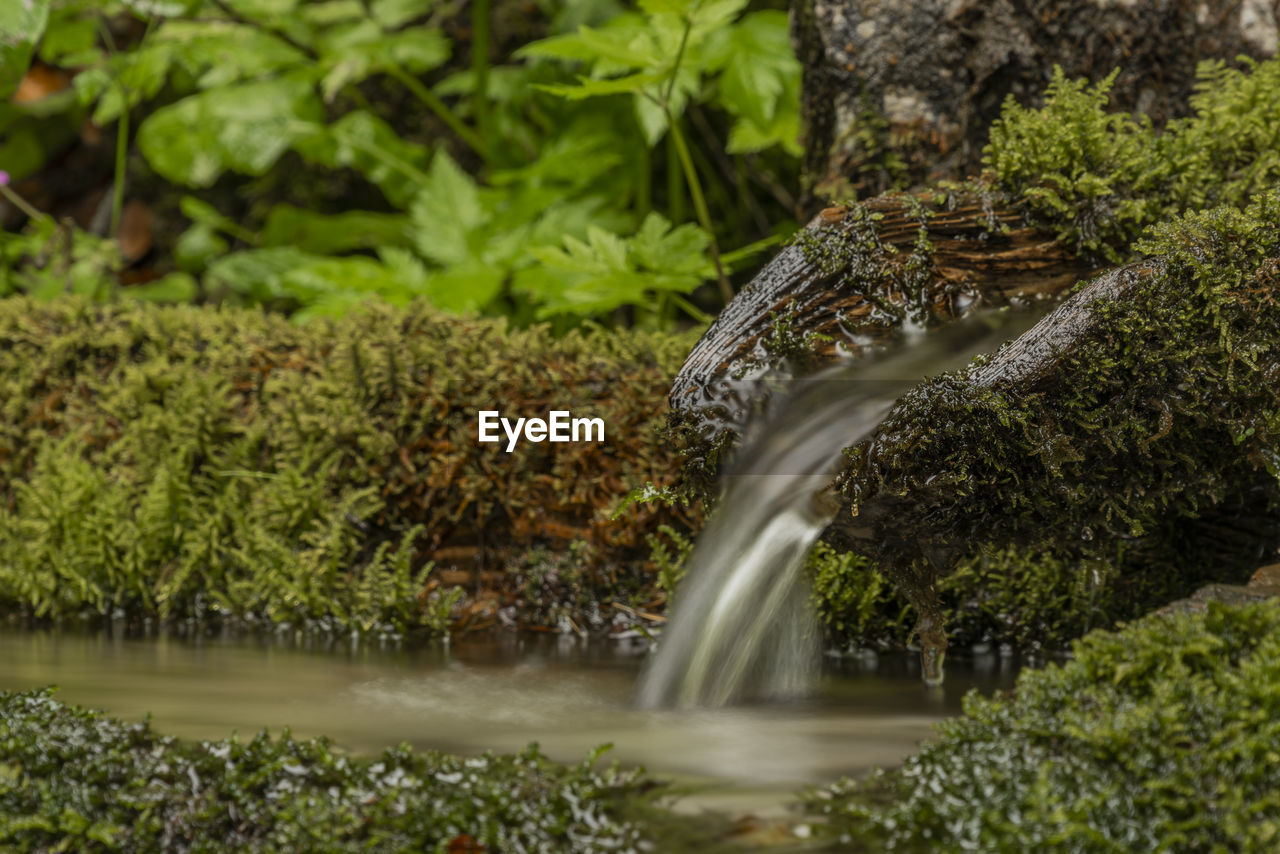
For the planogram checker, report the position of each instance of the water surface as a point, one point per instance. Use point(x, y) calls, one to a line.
point(501, 693)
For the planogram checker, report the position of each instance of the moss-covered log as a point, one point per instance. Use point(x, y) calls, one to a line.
point(180, 462)
point(903, 92)
point(857, 273)
point(1141, 418)
point(1068, 189)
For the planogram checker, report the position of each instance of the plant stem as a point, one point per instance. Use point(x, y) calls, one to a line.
point(644, 182)
point(442, 111)
point(691, 309)
point(122, 158)
point(699, 204)
point(675, 183)
point(377, 151)
point(480, 70)
point(21, 203)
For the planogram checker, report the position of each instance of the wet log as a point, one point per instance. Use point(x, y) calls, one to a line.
point(848, 284)
point(901, 92)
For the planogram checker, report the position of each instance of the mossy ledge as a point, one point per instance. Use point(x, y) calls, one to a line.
point(1068, 190)
point(1158, 737)
point(1136, 429)
point(78, 780)
point(189, 463)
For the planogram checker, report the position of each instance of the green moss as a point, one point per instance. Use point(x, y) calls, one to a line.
point(187, 462)
point(1151, 444)
point(1159, 737)
point(72, 779)
point(1098, 179)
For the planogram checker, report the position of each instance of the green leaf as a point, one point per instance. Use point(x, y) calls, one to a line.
point(354, 53)
point(607, 271)
point(758, 67)
point(244, 128)
point(465, 288)
point(22, 22)
point(198, 246)
point(393, 14)
point(219, 53)
point(446, 210)
point(363, 142)
point(257, 273)
point(589, 88)
point(162, 8)
point(134, 77)
point(326, 234)
point(174, 288)
point(658, 247)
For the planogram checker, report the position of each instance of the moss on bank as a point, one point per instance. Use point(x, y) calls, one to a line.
point(1159, 737)
point(191, 462)
point(77, 780)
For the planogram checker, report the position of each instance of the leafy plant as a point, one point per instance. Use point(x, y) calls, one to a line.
point(504, 199)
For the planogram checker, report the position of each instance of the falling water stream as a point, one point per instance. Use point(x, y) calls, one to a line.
point(740, 626)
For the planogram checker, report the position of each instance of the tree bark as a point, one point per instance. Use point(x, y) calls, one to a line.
point(901, 92)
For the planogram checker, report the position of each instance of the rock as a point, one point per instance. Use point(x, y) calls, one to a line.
point(901, 92)
point(1136, 418)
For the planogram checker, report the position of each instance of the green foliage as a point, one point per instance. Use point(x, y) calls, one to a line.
point(22, 22)
point(73, 779)
point(853, 600)
point(1098, 178)
point(49, 260)
point(341, 156)
point(201, 463)
point(677, 52)
point(670, 550)
point(1161, 737)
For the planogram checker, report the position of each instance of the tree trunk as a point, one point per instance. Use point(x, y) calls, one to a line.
point(901, 92)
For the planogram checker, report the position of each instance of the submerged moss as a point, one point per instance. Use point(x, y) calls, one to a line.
point(77, 780)
point(1159, 737)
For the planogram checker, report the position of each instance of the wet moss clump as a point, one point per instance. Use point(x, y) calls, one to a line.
point(200, 463)
point(1158, 737)
point(1098, 178)
point(78, 780)
point(1148, 439)
point(1028, 598)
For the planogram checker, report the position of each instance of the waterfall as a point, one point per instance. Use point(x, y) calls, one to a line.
point(741, 625)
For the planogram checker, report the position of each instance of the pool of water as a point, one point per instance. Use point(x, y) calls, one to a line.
point(501, 693)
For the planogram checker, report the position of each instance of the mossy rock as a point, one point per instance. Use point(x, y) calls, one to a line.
point(1071, 189)
point(1158, 737)
point(72, 779)
point(191, 462)
point(1136, 427)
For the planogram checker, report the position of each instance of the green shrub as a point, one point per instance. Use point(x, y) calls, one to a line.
point(1158, 737)
point(73, 779)
point(401, 149)
point(185, 462)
